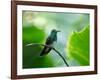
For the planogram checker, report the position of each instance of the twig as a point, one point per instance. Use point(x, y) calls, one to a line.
point(61, 56)
point(38, 44)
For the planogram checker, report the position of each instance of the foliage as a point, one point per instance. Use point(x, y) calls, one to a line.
point(31, 58)
point(78, 46)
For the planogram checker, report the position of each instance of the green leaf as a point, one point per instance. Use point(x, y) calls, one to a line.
point(78, 46)
point(31, 54)
point(32, 34)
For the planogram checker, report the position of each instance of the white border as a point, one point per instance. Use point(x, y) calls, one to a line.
point(21, 71)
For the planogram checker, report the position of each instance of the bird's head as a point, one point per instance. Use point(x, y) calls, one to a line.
point(55, 31)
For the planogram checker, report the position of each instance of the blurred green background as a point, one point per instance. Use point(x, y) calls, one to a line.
point(72, 42)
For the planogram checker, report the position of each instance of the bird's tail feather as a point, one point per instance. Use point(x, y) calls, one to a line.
point(42, 52)
point(45, 51)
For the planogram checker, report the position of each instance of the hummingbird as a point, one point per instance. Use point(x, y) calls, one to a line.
point(50, 41)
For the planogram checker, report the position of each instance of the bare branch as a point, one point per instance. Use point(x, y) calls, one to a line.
point(61, 56)
point(39, 44)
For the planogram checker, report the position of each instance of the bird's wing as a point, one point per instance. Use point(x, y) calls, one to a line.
point(46, 49)
point(49, 41)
